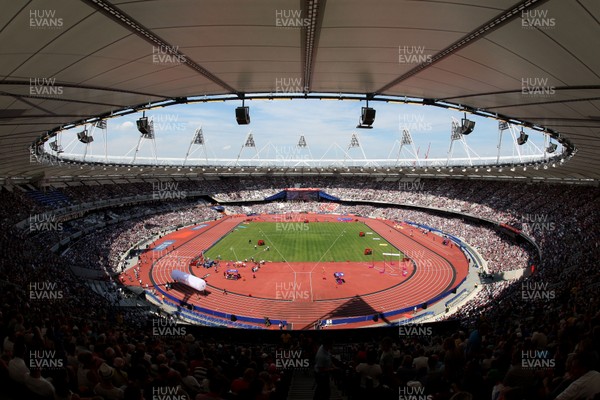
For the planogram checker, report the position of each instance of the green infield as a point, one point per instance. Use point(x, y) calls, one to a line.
point(298, 241)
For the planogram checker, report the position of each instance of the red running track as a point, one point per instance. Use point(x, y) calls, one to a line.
point(303, 293)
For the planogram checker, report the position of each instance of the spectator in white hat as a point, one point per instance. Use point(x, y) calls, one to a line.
point(105, 387)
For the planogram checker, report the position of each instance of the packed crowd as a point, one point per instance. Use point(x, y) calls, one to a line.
point(15, 207)
point(484, 298)
point(60, 340)
point(104, 249)
point(538, 339)
point(533, 210)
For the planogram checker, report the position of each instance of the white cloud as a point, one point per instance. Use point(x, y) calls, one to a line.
point(124, 126)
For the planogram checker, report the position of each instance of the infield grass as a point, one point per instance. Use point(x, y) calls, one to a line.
point(299, 241)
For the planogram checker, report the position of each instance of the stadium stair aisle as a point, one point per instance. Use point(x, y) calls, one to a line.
point(302, 387)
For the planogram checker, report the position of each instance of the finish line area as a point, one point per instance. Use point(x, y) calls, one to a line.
point(301, 292)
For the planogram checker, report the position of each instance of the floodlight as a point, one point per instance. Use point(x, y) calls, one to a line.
point(143, 125)
point(466, 126)
point(522, 138)
point(83, 137)
point(367, 117)
point(242, 115)
point(56, 147)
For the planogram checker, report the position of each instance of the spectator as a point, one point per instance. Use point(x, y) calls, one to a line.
point(586, 381)
point(105, 387)
point(369, 373)
point(37, 384)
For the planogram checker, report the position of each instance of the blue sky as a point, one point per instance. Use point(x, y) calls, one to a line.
point(276, 126)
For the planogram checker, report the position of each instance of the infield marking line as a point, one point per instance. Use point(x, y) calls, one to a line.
point(327, 251)
point(277, 250)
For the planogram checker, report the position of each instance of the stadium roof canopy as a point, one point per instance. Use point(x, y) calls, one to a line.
point(66, 61)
